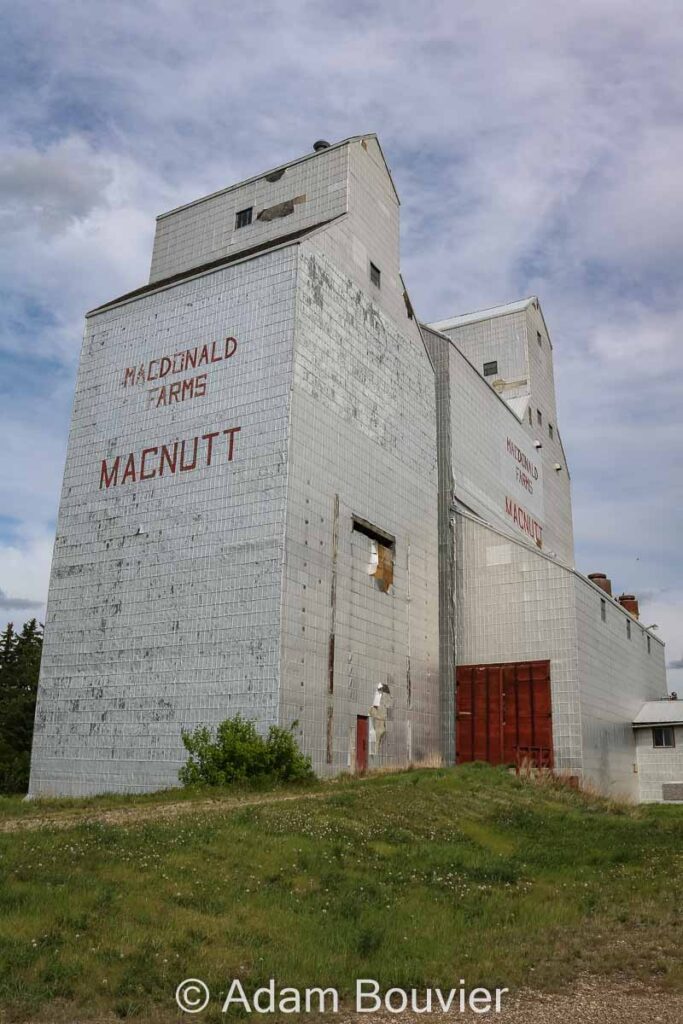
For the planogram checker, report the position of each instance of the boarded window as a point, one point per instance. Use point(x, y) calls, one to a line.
point(490, 369)
point(381, 553)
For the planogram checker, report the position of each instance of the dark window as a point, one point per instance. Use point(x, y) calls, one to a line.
point(551, 432)
point(539, 417)
point(663, 736)
point(531, 417)
point(490, 368)
point(648, 645)
point(603, 609)
point(539, 339)
point(628, 628)
point(375, 274)
point(243, 217)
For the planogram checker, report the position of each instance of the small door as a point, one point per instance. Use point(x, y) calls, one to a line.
point(362, 743)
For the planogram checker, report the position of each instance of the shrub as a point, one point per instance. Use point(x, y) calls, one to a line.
point(236, 753)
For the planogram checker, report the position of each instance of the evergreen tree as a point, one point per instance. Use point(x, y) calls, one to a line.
point(19, 667)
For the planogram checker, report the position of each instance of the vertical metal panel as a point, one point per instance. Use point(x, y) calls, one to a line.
point(504, 713)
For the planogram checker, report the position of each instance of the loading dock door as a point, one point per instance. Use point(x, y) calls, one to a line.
point(503, 713)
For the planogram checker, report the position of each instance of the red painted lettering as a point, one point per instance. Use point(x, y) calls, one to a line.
point(209, 446)
point(166, 458)
point(231, 442)
point(193, 464)
point(109, 478)
point(129, 471)
point(145, 453)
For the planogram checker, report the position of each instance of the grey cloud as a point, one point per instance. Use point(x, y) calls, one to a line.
point(18, 603)
point(50, 188)
point(675, 664)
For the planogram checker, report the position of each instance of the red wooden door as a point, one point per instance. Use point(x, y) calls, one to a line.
point(361, 743)
point(503, 713)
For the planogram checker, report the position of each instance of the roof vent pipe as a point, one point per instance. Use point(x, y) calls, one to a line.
point(629, 603)
point(320, 144)
point(600, 580)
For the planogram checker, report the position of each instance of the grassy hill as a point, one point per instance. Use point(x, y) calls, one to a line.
point(418, 878)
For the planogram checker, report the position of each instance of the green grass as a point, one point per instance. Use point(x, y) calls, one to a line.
point(419, 878)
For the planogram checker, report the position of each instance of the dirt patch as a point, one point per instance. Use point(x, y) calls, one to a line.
point(592, 1001)
point(148, 812)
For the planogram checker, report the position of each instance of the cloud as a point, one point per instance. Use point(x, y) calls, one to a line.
point(675, 664)
point(51, 188)
point(17, 603)
point(537, 150)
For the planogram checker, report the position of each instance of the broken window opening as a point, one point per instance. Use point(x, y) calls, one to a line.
point(280, 209)
point(381, 565)
point(375, 275)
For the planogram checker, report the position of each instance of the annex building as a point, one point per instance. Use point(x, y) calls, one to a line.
point(285, 496)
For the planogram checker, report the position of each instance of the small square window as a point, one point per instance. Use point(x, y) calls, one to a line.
point(628, 628)
point(539, 339)
point(243, 217)
point(490, 369)
point(663, 736)
point(375, 275)
point(539, 417)
point(551, 431)
point(603, 609)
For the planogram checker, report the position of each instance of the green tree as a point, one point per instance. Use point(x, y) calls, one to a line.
point(19, 667)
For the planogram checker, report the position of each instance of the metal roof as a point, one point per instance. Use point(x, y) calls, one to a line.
point(206, 268)
point(484, 314)
point(660, 712)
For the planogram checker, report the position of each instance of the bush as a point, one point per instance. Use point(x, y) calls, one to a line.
point(237, 754)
